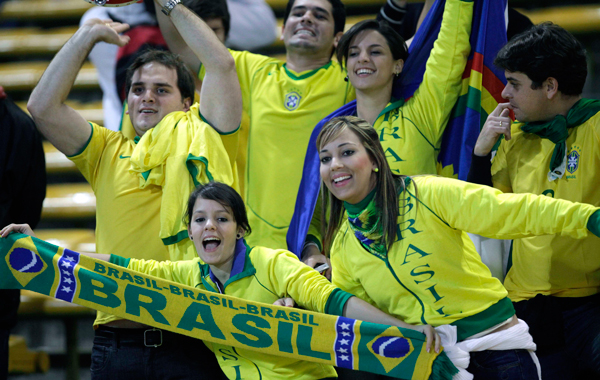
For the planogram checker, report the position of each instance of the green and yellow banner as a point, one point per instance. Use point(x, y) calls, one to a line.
point(36, 265)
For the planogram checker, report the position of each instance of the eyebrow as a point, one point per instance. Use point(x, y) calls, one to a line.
point(157, 84)
point(339, 146)
point(370, 46)
point(512, 79)
point(304, 7)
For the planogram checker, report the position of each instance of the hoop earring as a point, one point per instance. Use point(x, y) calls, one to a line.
point(239, 236)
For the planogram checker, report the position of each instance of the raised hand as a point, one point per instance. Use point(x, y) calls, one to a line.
point(107, 31)
point(498, 123)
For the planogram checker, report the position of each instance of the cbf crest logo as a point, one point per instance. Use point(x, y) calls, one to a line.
point(390, 350)
point(573, 160)
point(292, 100)
point(25, 262)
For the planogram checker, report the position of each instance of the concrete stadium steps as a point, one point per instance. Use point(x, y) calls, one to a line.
point(69, 201)
point(575, 18)
point(56, 161)
point(23, 76)
point(76, 239)
point(33, 41)
point(69, 9)
point(43, 9)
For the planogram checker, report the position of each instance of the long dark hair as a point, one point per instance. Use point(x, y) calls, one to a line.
point(387, 183)
point(226, 196)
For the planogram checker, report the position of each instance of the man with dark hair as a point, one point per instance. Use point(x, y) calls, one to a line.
point(242, 24)
point(284, 101)
point(552, 149)
point(142, 184)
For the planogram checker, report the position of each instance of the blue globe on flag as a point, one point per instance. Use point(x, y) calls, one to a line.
point(25, 261)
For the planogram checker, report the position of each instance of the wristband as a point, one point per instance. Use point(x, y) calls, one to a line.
point(168, 8)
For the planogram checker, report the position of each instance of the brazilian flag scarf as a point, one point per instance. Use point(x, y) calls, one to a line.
point(36, 265)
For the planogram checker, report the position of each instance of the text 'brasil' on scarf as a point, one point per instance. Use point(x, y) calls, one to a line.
point(36, 265)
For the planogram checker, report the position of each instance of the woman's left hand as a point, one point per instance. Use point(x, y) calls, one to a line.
point(22, 228)
point(430, 336)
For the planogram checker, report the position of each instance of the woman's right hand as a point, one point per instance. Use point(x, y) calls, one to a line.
point(22, 228)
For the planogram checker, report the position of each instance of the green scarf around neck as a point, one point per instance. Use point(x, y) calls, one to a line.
point(556, 130)
point(365, 221)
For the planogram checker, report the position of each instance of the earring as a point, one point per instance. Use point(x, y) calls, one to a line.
point(346, 78)
point(239, 236)
point(191, 238)
point(376, 170)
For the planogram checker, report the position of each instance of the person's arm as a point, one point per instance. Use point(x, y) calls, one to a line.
point(253, 24)
point(220, 97)
point(26, 230)
point(489, 212)
point(433, 101)
point(59, 123)
point(356, 308)
point(497, 124)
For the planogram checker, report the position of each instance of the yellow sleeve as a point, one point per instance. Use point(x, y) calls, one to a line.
point(340, 275)
point(246, 64)
point(432, 103)
point(176, 271)
point(88, 160)
point(289, 277)
point(489, 212)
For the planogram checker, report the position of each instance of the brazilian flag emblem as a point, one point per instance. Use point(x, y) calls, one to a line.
point(390, 350)
point(24, 262)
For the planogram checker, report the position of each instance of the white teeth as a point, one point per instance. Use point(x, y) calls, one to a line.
point(340, 179)
point(365, 71)
point(211, 239)
point(304, 31)
point(147, 111)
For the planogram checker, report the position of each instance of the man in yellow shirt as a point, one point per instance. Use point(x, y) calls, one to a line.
point(131, 195)
point(284, 101)
point(553, 149)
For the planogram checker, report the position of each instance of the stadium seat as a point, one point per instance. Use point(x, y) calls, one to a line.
point(23, 76)
point(69, 201)
point(76, 239)
point(29, 41)
point(43, 9)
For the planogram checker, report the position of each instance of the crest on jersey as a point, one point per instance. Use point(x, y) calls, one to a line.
point(292, 100)
point(573, 159)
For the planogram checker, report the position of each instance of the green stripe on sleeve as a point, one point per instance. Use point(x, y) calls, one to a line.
point(336, 302)
point(593, 223)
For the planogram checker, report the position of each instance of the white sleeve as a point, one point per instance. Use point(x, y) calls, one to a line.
point(253, 24)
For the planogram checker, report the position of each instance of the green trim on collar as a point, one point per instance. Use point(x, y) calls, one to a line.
point(193, 170)
point(357, 208)
point(181, 235)
point(337, 301)
point(308, 74)
point(86, 143)
point(118, 260)
point(146, 174)
point(490, 317)
point(248, 270)
point(122, 115)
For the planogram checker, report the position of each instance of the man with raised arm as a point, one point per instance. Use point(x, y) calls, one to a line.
point(284, 101)
point(553, 149)
point(142, 185)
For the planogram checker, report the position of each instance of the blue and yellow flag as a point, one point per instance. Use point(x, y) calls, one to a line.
point(44, 268)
